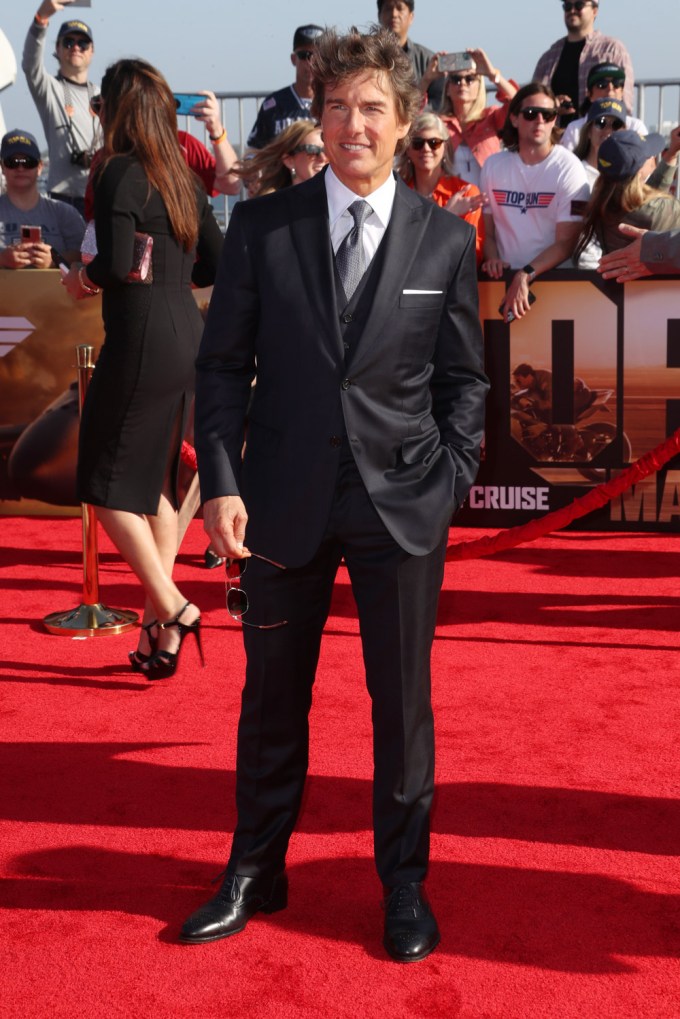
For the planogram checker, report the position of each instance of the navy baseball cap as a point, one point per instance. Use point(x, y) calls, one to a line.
point(600, 71)
point(306, 35)
point(19, 143)
point(622, 154)
point(75, 27)
point(606, 108)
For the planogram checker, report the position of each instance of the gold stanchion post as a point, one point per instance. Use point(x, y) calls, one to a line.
point(90, 618)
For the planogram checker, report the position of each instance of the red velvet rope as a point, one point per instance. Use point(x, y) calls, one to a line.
point(555, 521)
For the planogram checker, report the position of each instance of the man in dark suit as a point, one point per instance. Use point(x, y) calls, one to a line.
point(355, 301)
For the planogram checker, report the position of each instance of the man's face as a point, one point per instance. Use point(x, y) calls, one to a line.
point(21, 173)
point(361, 130)
point(301, 61)
point(579, 21)
point(395, 14)
point(606, 88)
point(74, 52)
point(534, 131)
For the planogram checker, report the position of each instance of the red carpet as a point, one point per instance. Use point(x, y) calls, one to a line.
point(555, 828)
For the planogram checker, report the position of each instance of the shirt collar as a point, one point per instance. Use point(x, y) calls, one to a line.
point(340, 198)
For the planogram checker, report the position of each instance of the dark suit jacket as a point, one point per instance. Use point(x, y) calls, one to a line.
point(410, 401)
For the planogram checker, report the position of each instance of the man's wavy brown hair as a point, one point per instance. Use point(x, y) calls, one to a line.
point(339, 57)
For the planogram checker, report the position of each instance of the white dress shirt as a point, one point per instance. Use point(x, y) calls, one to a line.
point(340, 219)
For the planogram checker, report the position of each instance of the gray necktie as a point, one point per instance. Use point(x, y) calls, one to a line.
point(350, 258)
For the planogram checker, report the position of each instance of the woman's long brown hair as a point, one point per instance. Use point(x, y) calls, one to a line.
point(140, 119)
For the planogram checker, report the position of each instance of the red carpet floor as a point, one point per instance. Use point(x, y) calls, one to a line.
point(555, 830)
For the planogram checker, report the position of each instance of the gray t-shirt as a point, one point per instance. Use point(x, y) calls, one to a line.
point(62, 225)
point(51, 96)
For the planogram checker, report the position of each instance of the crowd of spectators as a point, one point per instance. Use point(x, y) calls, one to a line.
point(521, 167)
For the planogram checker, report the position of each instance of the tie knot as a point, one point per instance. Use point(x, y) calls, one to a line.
point(359, 211)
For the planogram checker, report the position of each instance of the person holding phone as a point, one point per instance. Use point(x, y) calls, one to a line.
point(63, 100)
point(474, 127)
point(30, 223)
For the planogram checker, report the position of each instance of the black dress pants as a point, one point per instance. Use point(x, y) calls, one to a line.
point(397, 595)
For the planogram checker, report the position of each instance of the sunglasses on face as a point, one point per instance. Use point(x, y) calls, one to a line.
point(96, 103)
point(420, 143)
point(304, 54)
point(603, 122)
point(577, 6)
point(463, 79)
point(17, 162)
point(70, 43)
point(607, 83)
point(309, 150)
point(532, 112)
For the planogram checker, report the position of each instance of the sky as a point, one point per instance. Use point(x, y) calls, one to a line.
point(233, 46)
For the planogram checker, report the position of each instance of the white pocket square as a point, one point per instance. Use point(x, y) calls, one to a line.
point(422, 291)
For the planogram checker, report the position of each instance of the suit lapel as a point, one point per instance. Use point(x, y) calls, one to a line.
point(311, 239)
point(402, 240)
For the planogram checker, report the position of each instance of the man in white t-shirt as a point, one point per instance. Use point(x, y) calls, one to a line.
point(537, 192)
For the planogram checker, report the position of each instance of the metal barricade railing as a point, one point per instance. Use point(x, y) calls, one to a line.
point(657, 102)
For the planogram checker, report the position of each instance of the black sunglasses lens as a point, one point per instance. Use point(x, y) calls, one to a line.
point(15, 162)
point(532, 112)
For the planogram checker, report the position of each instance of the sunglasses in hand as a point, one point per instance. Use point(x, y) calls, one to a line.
point(237, 599)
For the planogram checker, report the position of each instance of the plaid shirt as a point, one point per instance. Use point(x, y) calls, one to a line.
point(599, 49)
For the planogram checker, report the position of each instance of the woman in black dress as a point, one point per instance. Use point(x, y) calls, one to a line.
point(142, 387)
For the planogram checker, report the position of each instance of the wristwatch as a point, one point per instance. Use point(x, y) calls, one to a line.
point(530, 271)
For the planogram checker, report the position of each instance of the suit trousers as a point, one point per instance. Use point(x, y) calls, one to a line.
point(397, 596)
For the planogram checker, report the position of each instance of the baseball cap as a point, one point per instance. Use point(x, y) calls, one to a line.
point(600, 71)
point(622, 154)
point(306, 35)
point(75, 27)
point(606, 108)
point(19, 143)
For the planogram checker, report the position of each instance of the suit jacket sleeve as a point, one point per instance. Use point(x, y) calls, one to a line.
point(458, 384)
point(661, 251)
point(225, 367)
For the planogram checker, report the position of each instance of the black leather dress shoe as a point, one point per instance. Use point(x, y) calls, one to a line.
point(411, 931)
point(237, 901)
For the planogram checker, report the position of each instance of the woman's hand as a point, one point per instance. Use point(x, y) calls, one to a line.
point(432, 71)
point(73, 281)
point(495, 267)
point(482, 63)
point(208, 112)
point(462, 202)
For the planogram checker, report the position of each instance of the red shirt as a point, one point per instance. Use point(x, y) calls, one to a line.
point(449, 186)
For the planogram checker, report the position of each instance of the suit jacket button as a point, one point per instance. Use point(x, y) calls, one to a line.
point(347, 318)
point(335, 441)
point(345, 384)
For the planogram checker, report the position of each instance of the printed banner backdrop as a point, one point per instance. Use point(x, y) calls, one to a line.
point(40, 328)
point(604, 389)
point(598, 386)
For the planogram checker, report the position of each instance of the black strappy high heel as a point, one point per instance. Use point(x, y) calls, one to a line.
point(137, 658)
point(163, 664)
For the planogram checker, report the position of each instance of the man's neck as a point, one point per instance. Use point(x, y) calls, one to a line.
point(303, 91)
point(531, 155)
point(75, 77)
point(24, 200)
point(578, 34)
